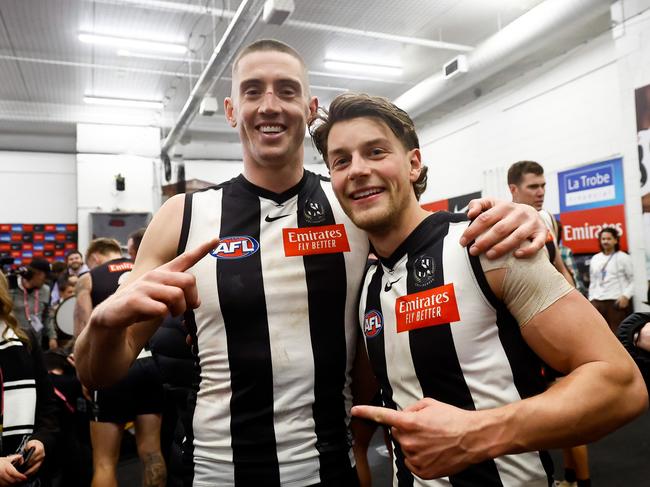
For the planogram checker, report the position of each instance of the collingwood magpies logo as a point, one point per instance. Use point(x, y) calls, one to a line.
point(314, 212)
point(423, 270)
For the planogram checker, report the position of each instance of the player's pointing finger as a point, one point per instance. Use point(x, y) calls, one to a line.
point(386, 416)
point(190, 257)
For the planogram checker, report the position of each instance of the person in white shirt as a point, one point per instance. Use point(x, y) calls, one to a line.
point(611, 279)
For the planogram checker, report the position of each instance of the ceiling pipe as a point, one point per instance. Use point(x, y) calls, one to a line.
point(110, 67)
point(520, 38)
point(416, 41)
point(240, 26)
point(299, 24)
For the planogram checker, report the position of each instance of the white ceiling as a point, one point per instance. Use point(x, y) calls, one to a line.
point(45, 70)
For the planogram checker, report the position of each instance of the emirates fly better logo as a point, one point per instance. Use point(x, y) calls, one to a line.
point(236, 247)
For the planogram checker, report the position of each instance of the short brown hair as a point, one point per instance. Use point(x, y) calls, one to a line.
point(137, 237)
point(103, 246)
point(348, 106)
point(271, 45)
point(518, 169)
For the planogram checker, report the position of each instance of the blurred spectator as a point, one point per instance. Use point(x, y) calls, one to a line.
point(75, 459)
point(31, 300)
point(133, 243)
point(28, 402)
point(75, 262)
point(527, 186)
point(75, 266)
point(634, 334)
point(137, 397)
point(611, 279)
point(179, 376)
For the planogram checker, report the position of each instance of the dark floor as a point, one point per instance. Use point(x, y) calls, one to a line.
point(621, 459)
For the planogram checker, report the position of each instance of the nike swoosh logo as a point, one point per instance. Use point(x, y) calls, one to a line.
point(273, 218)
point(460, 210)
point(389, 284)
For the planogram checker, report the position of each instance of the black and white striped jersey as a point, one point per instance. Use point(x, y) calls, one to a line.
point(275, 333)
point(433, 328)
point(18, 390)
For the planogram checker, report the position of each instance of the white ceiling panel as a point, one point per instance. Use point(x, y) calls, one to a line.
point(45, 70)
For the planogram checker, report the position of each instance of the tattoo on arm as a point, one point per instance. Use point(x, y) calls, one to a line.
point(154, 470)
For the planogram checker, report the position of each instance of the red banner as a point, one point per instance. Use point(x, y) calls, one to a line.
point(440, 205)
point(580, 228)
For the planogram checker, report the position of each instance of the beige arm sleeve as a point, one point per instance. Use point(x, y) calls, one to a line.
point(529, 286)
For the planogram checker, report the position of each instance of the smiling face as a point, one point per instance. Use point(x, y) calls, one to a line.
point(270, 105)
point(372, 174)
point(74, 261)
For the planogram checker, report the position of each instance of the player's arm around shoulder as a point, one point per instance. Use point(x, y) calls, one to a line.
point(603, 388)
point(109, 343)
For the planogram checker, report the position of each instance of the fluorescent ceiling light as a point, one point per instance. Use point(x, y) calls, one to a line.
point(123, 102)
point(141, 55)
point(357, 67)
point(126, 43)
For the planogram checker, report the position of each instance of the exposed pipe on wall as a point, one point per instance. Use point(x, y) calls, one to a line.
point(514, 42)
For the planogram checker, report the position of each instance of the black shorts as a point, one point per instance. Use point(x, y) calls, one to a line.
point(140, 392)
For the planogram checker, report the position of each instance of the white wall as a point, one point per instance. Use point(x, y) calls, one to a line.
point(565, 113)
point(38, 187)
point(573, 110)
point(96, 187)
point(111, 150)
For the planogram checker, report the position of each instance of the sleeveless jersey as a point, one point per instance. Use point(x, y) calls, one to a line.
point(433, 328)
point(106, 278)
point(275, 333)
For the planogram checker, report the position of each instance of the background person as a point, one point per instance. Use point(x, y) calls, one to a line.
point(611, 274)
point(31, 300)
point(133, 242)
point(74, 458)
point(75, 267)
point(138, 397)
point(28, 403)
point(527, 185)
point(634, 334)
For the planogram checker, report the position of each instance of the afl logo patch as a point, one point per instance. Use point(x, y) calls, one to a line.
point(373, 323)
point(423, 269)
point(314, 212)
point(236, 247)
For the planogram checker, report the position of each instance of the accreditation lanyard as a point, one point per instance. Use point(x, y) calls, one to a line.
point(603, 271)
point(26, 304)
